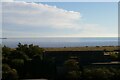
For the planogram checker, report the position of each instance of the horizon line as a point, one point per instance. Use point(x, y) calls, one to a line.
point(65, 37)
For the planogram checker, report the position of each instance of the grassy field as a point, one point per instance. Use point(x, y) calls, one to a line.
point(97, 48)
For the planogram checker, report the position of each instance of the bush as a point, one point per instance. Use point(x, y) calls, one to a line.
point(8, 73)
point(98, 73)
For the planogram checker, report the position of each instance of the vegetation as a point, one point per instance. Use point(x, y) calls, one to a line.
point(72, 69)
point(8, 73)
point(86, 48)
point(29, 62)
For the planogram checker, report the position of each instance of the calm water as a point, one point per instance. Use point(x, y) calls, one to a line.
point(61, 42)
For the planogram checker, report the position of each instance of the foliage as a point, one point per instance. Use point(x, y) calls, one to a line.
point(72, 69)
point(119, 56)
point(71, 64)
point(8, 73)
point(18, 58)
point(114, 56)
point(98, 73)
point(18, 55)
point(6, 51)
point(30, 50)
point(27, 61)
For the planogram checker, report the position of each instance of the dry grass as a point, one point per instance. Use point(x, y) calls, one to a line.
point(97, 48)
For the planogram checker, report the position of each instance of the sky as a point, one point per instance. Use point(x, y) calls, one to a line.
point(59, 19)
point(63, 0)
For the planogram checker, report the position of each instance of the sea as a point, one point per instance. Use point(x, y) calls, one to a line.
point(46, 42)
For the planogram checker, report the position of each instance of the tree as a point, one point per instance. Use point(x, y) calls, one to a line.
point(71, 64)
point(116, 72)
point(119, 56)
point(35, 67)
point(98, 73)
point(16, 54)
point(30, 50)
point(72, 69)
point(6, 51)
point(8, 73)
point(114, 56)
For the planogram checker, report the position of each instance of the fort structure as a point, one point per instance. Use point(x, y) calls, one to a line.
point(85, 55)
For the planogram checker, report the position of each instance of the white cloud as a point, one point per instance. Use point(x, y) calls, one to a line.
point(32, 14)
point(7, 0)
point(24, 18)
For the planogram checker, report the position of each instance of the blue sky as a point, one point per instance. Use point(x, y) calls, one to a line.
point(91, 11)
point(60, 19)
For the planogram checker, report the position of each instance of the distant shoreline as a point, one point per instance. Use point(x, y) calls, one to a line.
point(61, 42)
point(3, 38)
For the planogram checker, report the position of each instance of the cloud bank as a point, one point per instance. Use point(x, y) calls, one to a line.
point(39, 15)
point(7, 0)
point(21, 19)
